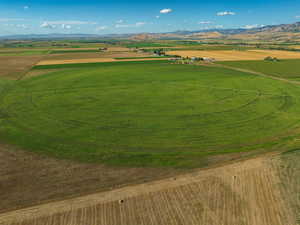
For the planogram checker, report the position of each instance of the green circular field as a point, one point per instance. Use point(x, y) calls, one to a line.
point(148, 114)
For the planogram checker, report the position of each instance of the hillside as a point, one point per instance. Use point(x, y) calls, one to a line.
point(282, 32)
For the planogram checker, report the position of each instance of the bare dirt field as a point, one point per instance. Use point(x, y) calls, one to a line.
point(13, 67)
point(92, 60)
point(243, 193)
point(28, 179)
point(231, 55)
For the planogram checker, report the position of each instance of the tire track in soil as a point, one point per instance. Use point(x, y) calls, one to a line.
point(242, 193)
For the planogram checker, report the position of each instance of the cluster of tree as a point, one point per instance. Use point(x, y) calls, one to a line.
point(159, 52)
point(272, 59)
point(102, 49)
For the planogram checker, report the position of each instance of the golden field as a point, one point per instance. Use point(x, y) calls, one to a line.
point(233, 55)
point(236, 194)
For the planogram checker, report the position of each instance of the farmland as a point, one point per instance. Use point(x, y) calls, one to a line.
point(288, 69)
point(179, 121)
point(14, 67)
point(240, 193)
point(234, 55)
point(82, 129)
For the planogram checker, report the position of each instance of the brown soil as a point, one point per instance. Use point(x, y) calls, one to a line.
point(28, 179)
point(89, 55)
point(243, 193)
point(14, 67)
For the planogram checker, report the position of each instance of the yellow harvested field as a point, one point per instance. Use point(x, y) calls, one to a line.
point(232, 55)
point(243, 193)
point(295, 46)
point(92, 60)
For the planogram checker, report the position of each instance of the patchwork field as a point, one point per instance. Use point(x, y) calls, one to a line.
point(244, 193)
point(118, 137)
point(90, 56)
point(238, 55)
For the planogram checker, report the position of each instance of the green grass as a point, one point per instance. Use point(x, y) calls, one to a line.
point(147, 114)
point(285, 68)
point(148, 44)
point(95, 65)
point(147, 57)
point(74, 51)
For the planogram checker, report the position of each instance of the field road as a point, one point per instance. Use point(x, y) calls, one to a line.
point(255, 73)
point(242, 193)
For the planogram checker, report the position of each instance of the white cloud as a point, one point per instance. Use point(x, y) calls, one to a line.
point(101, 28)
point(138, 24)
point(10, 19)
point(23, 26)
point(157, 17)
point(165, 11)
point(219, 26)
point(120, 21)
point(205, 22)
point(69, 22)
point(252, 26)
point(47, 25)
point(297, 17)
point(226, 13)
point(26, 7)
point(122, 25)
point(65, 26)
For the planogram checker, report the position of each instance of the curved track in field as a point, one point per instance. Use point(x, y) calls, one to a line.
point(129, 114)
point(242, 193)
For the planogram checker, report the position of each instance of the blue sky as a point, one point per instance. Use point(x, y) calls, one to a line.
point(131, 16)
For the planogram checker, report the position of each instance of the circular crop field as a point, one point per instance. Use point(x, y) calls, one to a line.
point(148, 114)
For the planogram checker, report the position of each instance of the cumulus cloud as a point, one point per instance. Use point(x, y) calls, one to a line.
point(66, 26)
point(101, 28)
point(219, 26)
point(69, 22)
point(205, 22)
point(120, 21)
point(165, 11)
point(138, 24)
point(22, 26)
point(26, 7)
point(253, 26)
point(47, 25)
point(157, 17)
point(121, 25)
point(10, 19)
point(226, 13)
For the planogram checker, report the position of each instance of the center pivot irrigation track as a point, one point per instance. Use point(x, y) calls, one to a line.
point(243, 193)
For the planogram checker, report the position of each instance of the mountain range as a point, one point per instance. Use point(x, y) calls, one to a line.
point(282, 32)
